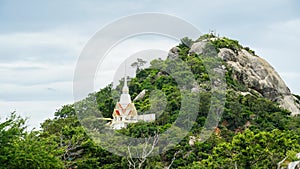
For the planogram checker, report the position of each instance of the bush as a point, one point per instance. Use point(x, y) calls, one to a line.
point(227, 43)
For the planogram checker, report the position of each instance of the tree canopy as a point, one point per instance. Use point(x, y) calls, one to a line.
point(254, 132)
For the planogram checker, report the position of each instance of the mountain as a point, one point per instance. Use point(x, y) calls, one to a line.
point(252, 71)
point(259, 126)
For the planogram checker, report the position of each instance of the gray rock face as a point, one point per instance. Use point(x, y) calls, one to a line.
point(173, 53)
point(197, 47)
point(257, 74)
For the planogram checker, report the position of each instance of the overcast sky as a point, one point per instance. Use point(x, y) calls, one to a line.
point(40, 42)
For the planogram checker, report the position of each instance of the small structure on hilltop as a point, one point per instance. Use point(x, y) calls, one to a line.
point(125, 111)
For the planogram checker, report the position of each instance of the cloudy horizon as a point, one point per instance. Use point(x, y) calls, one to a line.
point(41, 42)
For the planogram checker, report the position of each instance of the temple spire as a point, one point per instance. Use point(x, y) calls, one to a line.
point(125, 80)
point(125, 89)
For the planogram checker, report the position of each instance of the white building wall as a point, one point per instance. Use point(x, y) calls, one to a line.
point(146, 117)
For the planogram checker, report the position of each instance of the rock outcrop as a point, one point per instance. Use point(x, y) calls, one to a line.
point(256, 74)
point(173, 53)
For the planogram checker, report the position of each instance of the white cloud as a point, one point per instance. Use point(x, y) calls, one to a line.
point(36, 70)
point(59, 91)
point(56, 46)
point(282, 35)
point(32, 73)
point(36, 111)
point(112, 67)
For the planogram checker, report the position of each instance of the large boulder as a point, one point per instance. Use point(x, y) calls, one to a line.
point(173, 53)
point(257, 74)
point(197, 47)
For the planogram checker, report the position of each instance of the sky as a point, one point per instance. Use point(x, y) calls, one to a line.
point(40, 42)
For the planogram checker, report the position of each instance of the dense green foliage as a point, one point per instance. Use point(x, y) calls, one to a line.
point(252, 150)
point(22, 149)
point(253, 132)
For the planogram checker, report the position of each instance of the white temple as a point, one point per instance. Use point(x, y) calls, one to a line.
point(125, 111)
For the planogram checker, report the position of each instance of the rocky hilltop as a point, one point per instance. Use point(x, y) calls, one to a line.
point(249, 69)
point(257, 74)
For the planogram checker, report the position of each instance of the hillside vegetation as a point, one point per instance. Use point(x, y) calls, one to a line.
point(253, 132)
